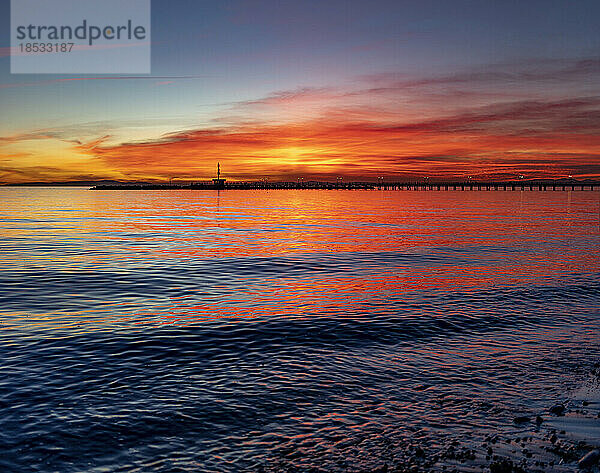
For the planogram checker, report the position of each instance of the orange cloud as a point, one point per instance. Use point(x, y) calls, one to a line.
point(558, 141)
point(443, 127)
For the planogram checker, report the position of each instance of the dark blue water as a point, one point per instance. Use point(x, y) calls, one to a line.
point(288, 330)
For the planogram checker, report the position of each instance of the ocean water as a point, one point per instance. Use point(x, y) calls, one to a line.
point(159, 331)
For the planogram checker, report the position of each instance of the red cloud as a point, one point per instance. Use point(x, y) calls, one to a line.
point(390, 125)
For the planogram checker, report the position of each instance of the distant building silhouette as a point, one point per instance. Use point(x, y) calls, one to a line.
point(218, 182)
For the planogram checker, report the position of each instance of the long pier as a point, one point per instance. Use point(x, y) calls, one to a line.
point(538, 185)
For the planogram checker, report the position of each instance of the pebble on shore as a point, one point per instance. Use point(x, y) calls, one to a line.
point(521, 419)
point(558, 409)
point(589, 460)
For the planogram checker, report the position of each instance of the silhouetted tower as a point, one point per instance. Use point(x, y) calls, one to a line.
point(218, 182)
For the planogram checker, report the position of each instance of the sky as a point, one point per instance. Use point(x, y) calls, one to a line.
point(320, 90)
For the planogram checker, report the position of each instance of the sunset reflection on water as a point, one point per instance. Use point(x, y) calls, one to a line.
point(292, 328)
point(419, 241)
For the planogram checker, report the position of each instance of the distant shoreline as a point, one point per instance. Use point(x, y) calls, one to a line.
point(314, 184)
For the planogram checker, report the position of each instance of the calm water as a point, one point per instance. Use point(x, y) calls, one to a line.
point(197, 331)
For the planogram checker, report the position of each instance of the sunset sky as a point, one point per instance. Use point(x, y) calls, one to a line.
point(319, 90)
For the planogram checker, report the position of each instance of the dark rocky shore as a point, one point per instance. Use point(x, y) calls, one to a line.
point(563, 438)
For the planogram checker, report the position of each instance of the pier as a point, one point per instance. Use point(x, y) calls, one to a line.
point(221, 184)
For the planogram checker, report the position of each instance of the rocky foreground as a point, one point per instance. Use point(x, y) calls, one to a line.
point(563, 438)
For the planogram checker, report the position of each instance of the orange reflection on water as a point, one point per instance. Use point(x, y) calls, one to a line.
point(240, 254)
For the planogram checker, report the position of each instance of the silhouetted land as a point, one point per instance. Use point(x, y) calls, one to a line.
point(529, 184)
point(87, 183)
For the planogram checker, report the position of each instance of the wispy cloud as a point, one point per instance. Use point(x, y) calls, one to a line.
point(102, 78)
point(500, 122)
point(517, 137)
